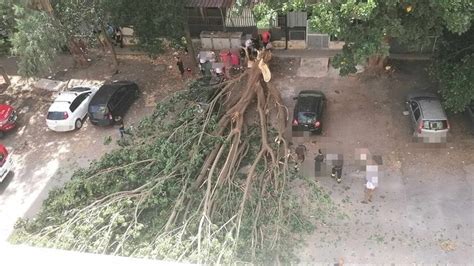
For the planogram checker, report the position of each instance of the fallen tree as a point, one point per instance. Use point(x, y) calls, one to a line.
point(199, 182)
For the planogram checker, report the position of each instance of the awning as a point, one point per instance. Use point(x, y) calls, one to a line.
point(246, 19)
point(210, 3)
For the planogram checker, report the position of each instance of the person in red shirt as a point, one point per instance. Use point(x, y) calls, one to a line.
point(266, 36)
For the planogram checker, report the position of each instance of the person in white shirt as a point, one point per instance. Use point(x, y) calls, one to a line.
point(372, 181)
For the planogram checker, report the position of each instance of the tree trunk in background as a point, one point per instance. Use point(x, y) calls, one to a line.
point(377, 61)
point(77, 53)
point(105, 41)
point(189, 42)
point(5, 76)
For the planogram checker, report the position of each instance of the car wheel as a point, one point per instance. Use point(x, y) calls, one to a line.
point(78, 124)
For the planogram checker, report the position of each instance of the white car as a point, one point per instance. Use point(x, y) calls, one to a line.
point(69, 110)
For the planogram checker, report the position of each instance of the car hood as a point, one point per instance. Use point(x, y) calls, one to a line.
point(5, 111)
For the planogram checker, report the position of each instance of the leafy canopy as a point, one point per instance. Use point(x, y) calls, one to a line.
point(152, 20)
point(37, 40)
point(453, 70)
point(367, 26)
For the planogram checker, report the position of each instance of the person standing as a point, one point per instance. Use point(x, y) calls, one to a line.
point(337, 168)
point(180, 65)
point(266, 36)
point(371, 182)
point(121, 129)
point(318, 161)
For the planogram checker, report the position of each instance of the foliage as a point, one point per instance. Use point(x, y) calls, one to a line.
point(7, 25)
point(266, 12)
point(37, 40)
point(79, 18)
point(367, 26)
point(151, 20)
point(264, 15)
point(453, 70)
point(122, 204)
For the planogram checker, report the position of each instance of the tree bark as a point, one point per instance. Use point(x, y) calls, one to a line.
point(105, 41)
point(189, 41)
point(376, 63)
point(76, 52)
point(5, 76)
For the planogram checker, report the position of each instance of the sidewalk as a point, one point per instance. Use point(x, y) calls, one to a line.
point(327, 53)
point(305, 53)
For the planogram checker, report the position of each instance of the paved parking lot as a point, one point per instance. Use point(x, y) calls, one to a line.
point(44, 159)
point(423, 208)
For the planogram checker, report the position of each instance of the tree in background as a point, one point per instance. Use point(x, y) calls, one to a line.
point(367, 26)
point(153, 21)
point(7, 24)
point(454, 71)
point(37, 40)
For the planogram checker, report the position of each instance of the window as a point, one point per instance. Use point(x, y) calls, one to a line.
point(56, 115)
point(306, 117)
point(79, 99)
point(413, 105)
point(417, 114)
point(114, 100)
point(435, 125)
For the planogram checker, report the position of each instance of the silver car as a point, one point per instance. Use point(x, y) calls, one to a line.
point(429, 120)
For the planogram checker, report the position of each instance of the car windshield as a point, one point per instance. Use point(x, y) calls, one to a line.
point(55, 116)
point(306, 117)
point(435, 125)
point(98, 111)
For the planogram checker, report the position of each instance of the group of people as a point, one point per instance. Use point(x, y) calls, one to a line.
point(365, 160)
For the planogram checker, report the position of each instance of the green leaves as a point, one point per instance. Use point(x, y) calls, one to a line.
point(366, 26)
point(456, 84)
point(37, 41)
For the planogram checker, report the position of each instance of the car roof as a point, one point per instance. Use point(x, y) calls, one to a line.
point(107, 90)
point(309, 100)
point(59, 107)
point(431, 109)
point(313, 93)
point(80, 89)
point(66, 96)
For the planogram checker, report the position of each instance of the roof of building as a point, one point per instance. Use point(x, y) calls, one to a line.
point(210, 3)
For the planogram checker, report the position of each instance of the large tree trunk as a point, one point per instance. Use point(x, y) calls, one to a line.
point(5, 76)
point(77, 53)
point(189, 42)
point(376, 64)
point(107, 44)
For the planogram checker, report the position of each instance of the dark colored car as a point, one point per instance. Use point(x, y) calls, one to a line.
point(111, 102)
point(308, 111)
point(470, 114)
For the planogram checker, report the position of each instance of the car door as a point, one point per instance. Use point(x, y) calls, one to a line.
point(77, 108)
point(415, 113)
point(84, 104)
point(113, 104)
point(121, 96)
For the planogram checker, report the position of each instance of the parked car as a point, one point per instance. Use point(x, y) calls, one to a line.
point(427, 115)
point(111, 102)
point(69, 110)
point(6, 162)
point(470, 114)
point(8, 118)
point(308, 111)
